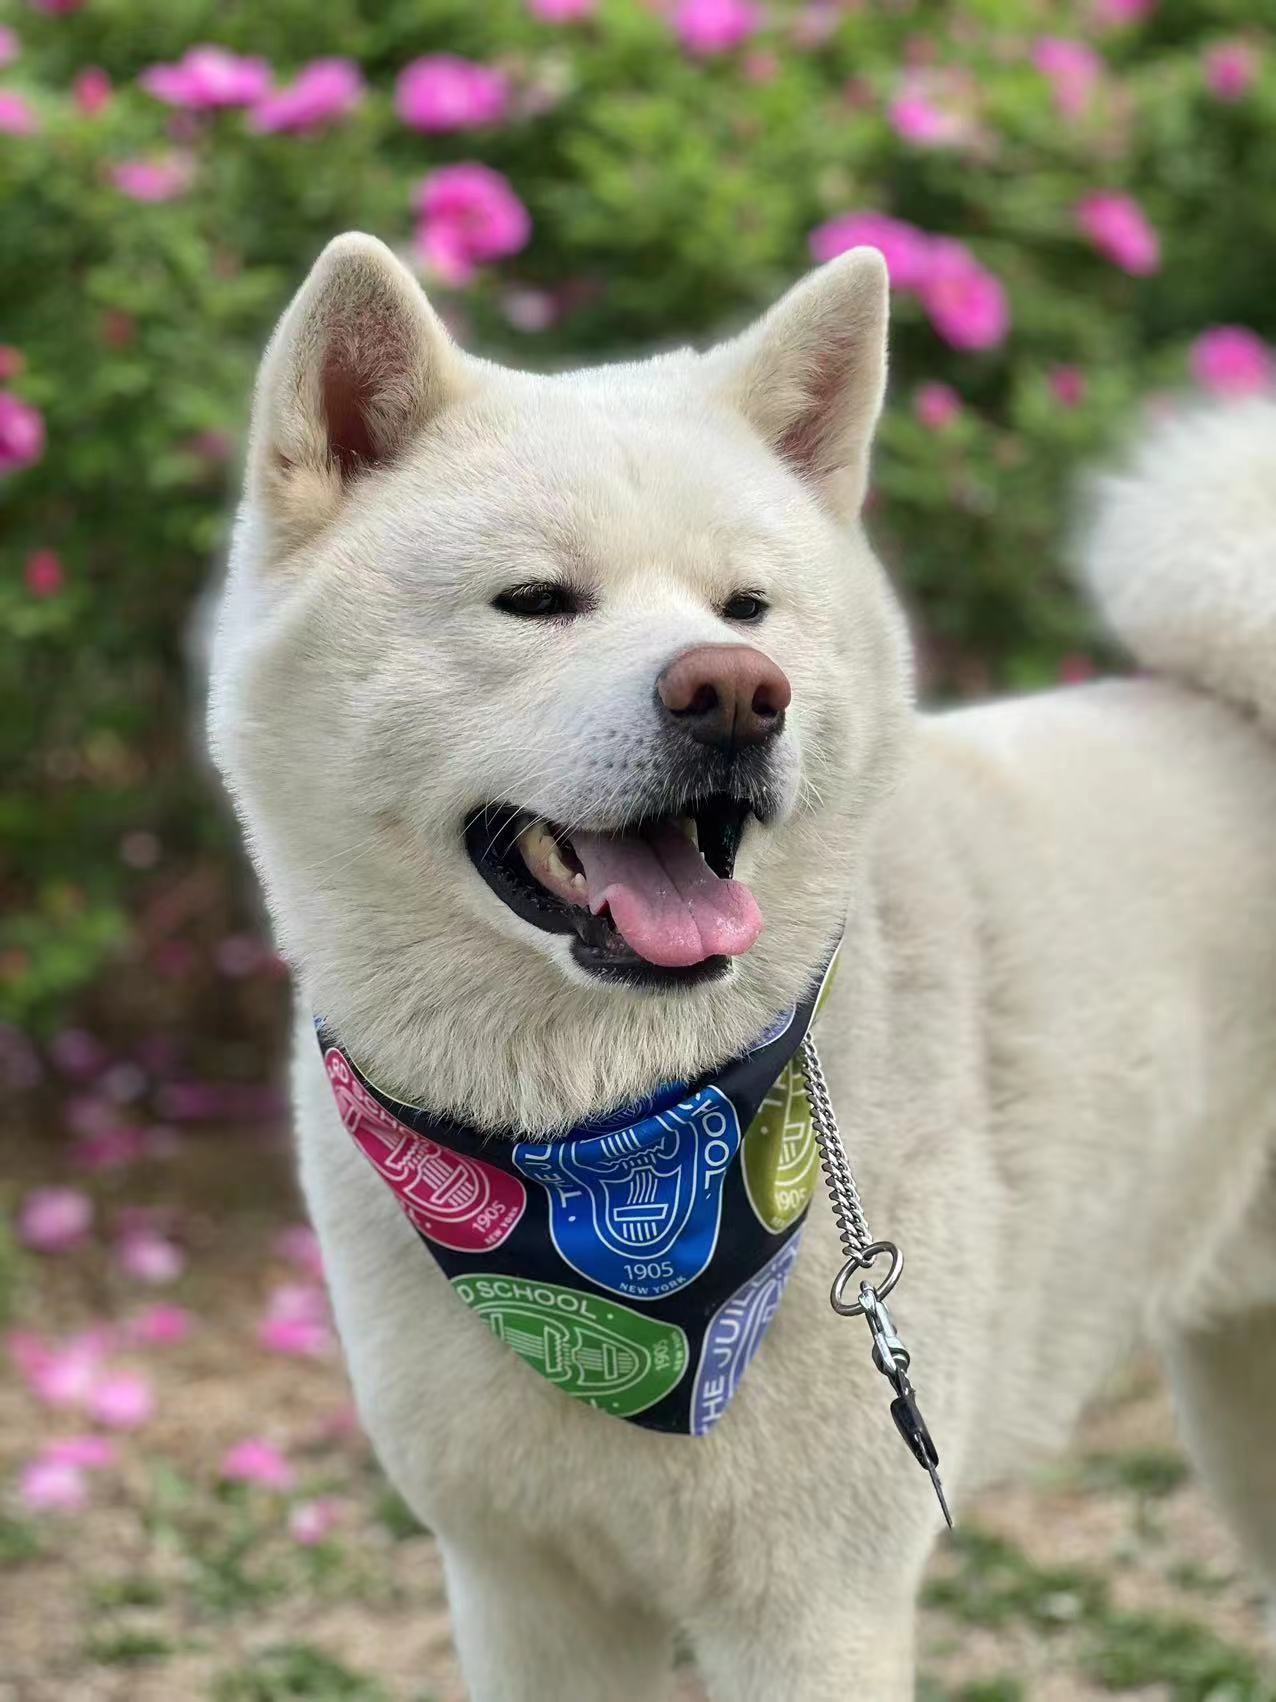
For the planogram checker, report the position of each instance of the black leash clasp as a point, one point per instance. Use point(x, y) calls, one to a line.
point(891, 1358)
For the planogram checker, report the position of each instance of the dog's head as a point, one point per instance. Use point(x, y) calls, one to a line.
point(554, 705)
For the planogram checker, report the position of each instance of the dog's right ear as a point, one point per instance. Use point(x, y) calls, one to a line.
point(358, 365)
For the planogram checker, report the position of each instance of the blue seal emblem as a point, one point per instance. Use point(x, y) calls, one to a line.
point(636, 1210)
point(733, 1335)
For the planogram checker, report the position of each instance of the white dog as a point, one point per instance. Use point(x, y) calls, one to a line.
point(496, 650)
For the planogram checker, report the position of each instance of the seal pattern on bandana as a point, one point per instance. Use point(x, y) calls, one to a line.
point(459, 1202)
point(597, 1350)
point(637, 1262)
point(734, 1335)
point(637, 1210)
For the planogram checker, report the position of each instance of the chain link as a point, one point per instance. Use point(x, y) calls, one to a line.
point(852, 1225)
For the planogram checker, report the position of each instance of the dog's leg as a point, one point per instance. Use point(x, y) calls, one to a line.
point(1224, 1381)
point(817, 1644)
point(528, 1629)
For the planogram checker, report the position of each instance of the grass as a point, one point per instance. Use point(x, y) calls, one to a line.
point(296, 1669)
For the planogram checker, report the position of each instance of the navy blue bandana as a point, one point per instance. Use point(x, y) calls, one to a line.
point(636, 1262)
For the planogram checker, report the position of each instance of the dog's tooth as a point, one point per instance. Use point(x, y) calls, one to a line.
point(688, 826)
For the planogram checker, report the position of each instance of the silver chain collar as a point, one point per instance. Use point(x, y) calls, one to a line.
point(890, 1356)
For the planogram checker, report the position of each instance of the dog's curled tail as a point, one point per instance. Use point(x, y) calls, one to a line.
point(1178, 549)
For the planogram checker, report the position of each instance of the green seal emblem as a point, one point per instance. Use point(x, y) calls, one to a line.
point(594, 1349)
point(780, 1160)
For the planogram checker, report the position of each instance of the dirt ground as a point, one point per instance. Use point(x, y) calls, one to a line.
point(1107, 1576)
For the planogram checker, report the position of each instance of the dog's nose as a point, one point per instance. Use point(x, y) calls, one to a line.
point(725, 695)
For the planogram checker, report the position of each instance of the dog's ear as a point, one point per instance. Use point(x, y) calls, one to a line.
point(358, 365)
point(809, 376)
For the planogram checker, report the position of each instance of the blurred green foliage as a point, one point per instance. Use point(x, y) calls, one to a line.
point(671, 196)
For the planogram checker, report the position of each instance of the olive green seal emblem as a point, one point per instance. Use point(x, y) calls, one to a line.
point(594, 1349)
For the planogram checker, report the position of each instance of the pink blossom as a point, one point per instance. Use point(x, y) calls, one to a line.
point(163, 1325)
point(529, 310)
point(1073, 69)
point(59, 1374)
point(91, 90)
point(17, 116)
point(965, 303)
point(11, 362)
point(1118, 228)
point(442, 92)
point(309, 1522)
point(257, 1461)
point(469, 215)
point(905, 249)
point(1231, 69)
point(708, 27)
point(90, 1452)
point(206, 78)
point(43, 573)
point(1231, 361)
point(53, 1486)
point(10, 47)
point(122, 1400)
point(299, 1245)
point(324, 90)
point(920, 117)
point(561, 11)
point(162, 179)
point(1068, 385)
point(1123, 11)
point(296, 1321)
point(760, 66)
point(936, 406)
point(53, 1220)
point(150, 1257)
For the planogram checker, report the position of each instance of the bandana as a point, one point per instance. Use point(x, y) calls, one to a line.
point(636, 1262)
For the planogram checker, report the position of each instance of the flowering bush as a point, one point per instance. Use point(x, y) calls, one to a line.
point(1072, 201)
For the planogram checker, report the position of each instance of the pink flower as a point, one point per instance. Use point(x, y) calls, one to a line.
point(707, 27)
point(296, 1321)
point(965, 303)
point(299, 1245)
point(163, 1325)
point(561, 11)
point(924, 120)
point(53, 1220)
point(43, 573)
point(10, 47)
point(257, 1461)
point(162, 179)
point(1118, 228)
point(442, 92)
point(206, 78)
point(469, 215)
point(1231, 361)
point(1123, 11)
point(1231, 68)
point(91, 1452)
point(11, 362)
point(60, 1375)
point(1068, 385)
point(310, 1521)
point(905, 249)
point(150, 1257)
point(53, 1486)
point(17, 118)
point(91, 90)
point(936, 406)
point(1073, 70)
point(122, 1400)
point(324, 90)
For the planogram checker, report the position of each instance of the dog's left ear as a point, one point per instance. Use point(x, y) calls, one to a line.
point(810, 375)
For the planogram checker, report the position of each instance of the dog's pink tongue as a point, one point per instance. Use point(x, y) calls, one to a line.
point(665, 899)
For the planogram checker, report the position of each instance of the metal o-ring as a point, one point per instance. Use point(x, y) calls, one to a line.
point(861, 1262)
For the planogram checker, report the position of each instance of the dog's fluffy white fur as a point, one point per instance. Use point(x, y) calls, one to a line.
point(1050, 1041)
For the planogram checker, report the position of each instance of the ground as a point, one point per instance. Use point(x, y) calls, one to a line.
point(1108, 1575)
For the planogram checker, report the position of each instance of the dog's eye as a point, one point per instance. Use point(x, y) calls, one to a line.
point(745, 606)
point(538, 601)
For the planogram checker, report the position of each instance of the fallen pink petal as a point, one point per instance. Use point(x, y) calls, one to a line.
point(257, 1461)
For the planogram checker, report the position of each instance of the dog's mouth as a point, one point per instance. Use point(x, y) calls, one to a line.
point(653, 904)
